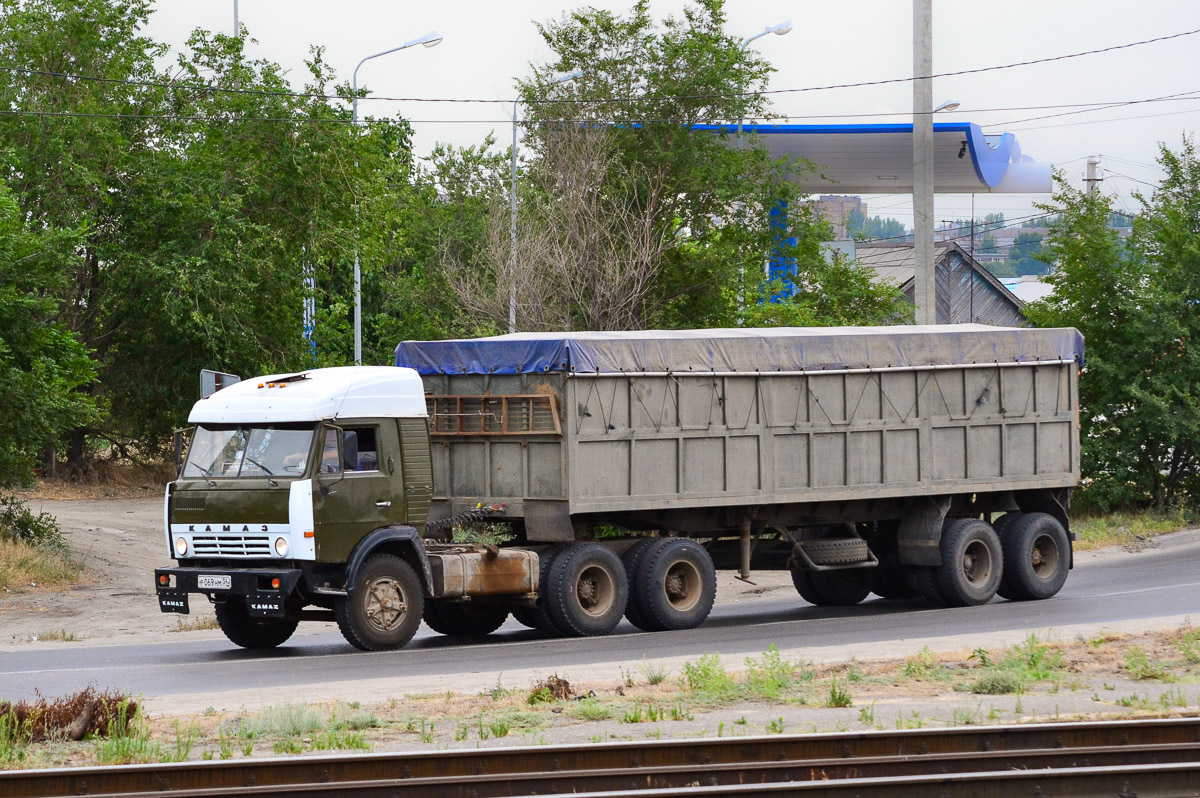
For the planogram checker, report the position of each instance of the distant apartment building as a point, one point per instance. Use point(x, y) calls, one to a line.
point(837, 210)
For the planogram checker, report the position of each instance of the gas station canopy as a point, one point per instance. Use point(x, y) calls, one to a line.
point(878, 159)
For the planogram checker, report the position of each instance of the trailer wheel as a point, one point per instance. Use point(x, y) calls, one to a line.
point(632, 560)
point(384, 609)
point(464, 620)
point(1036, 557)
point(841, 588)
point(675, 585)
point(894, 580)
point(972, 563)
point(249, 632)
point(587, 591)
point(1002, 525)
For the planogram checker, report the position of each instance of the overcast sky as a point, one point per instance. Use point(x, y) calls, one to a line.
point(487, 44)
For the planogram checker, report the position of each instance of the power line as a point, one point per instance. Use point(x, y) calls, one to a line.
point(1100, 121)
point(549, 101)
point(1007, 223)
point(1183, 95)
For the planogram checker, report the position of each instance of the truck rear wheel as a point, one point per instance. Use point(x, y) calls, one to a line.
point(538, 616)
point(587, 591)
point(632, 560)
point(384, 607)
point(248, 632)
point(972, 564)
point(674, 587)
point(1036, 557)
point(464, 620)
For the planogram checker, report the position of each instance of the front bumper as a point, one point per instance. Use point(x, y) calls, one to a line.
point(252, 584)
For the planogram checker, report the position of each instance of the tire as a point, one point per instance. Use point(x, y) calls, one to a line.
point(1037, 557)
point(632, 560)
point(539, 613)
point(840, 588)
point(384, 607)
point(524, 616)
point(836, 551)
point(972, 563)
point(894, 580)
point(1002, 525)
point(587, 592)
point(464, 620)
point(249, 632)
point(675, 585)
point(930, 588)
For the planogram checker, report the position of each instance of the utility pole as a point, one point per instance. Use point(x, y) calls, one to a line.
point(1091, 179)
point(925, 286)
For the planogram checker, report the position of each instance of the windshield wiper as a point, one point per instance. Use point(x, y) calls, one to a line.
point(252, 461)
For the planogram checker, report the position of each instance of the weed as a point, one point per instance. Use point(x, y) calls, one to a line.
point(589, 709)
point(920, 666)
point(655, 735)
point(853, 672)
point(636, 715)
point(679, 713)
point(981, 656)
point(485, 533)
point(129, 741)
point(247, 747)
point(462, 732)
point(190, 624)
point(540, 695)
point(55, 636)
point(913, 721)
point(654, 672)
point(15, 736)
point(339, 740)
point(18, 524)
point(993, 713)
point(770, 674)
point(285, 720)
point(866, 715)
point(1188, 643)
point(775, 726)
point(707, 678)
point(224, 743)
point(626, 676)
point(961, 716)
point(499, 726)
point(1139, 665)
point(997, 682)
point(741, 721)
point(552, 688)
point(288, 746)
point(1033, 660)
point(837, 696)
point(1126, 528)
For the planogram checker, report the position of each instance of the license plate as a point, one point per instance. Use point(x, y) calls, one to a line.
point(207, 582)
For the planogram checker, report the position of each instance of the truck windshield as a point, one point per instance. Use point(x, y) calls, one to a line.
point(231, 451)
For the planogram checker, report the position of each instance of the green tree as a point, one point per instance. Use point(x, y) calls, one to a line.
point(1136, 305)
point(631, 215)
point(42, 365)
point(1023, 254)
point(987, 243)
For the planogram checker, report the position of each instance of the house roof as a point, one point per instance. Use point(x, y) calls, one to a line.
point(895, 263)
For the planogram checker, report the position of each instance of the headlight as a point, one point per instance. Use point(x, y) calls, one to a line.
point(181, 546)
point(281, 547)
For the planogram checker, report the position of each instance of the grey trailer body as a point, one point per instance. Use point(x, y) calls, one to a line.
point(698, 432)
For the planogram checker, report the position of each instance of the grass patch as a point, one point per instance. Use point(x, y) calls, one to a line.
point(589, 709)
point(997, 682)
point(1139, 665)
point(26, 565)
point(770, 675)
point(1123, 529)
point(198, 624)
point(707, 678)
point(54, 636)
point(484, 533)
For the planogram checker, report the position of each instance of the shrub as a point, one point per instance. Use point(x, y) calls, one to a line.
point(19, 525)
point(997, 682)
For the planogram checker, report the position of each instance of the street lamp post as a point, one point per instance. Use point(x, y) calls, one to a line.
point(512, 224)
point(431, 39)
point(779, 28)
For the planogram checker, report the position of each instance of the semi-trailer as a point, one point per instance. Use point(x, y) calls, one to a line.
point(626, 468)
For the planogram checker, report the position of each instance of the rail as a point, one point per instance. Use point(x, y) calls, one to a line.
point(1145, 757)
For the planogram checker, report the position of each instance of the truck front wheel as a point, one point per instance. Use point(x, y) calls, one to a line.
point(248, 632)
point(384, 607)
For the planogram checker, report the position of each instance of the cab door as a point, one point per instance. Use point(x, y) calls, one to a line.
point(354, 494)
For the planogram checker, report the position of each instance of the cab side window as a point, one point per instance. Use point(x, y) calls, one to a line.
point(360, 451)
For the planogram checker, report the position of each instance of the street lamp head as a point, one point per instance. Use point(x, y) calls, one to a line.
point(432, 39)
point(780, 27)
point(949, 105)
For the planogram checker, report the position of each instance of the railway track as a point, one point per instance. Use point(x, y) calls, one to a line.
point(1119, 758)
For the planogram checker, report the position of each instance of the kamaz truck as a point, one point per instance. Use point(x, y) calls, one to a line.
point(626, 468)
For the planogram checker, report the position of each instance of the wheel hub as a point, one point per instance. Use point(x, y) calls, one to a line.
point(385, 604)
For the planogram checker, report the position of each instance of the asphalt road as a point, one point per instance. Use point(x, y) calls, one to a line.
point(1127, 587)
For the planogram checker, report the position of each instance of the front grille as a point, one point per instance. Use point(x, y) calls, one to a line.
point(227, 545)
point(189, 502)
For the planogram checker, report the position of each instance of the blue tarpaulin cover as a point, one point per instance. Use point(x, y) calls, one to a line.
point(748, 350)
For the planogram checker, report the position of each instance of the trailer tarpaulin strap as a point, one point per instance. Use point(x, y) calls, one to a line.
point(741, 350)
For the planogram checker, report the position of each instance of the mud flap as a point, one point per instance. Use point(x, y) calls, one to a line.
point(173, 601)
